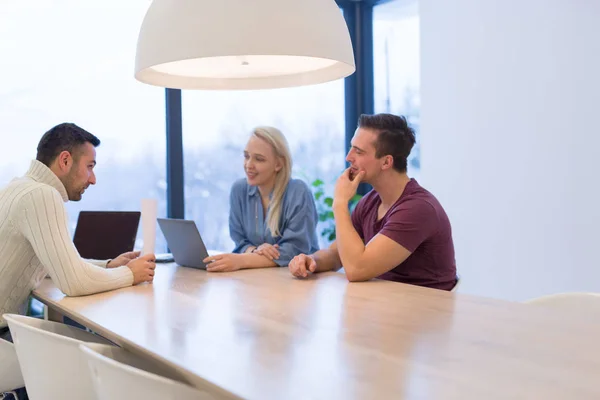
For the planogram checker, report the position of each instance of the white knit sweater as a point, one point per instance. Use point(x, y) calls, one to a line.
point(35, 241)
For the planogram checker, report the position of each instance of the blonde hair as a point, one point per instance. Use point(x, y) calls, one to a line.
point(275, 138)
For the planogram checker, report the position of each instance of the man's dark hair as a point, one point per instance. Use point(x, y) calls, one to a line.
point(394, 137)
point(65, 136)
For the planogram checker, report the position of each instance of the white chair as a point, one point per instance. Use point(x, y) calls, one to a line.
point(576, 304)
point(119, 374)
point(10, 372)
point(51, 362)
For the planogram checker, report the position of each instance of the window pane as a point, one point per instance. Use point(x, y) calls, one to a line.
point(72, 61)
point(217, 126)
point(396, 64)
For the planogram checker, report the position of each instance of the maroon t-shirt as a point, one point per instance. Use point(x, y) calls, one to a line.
point(418, 223)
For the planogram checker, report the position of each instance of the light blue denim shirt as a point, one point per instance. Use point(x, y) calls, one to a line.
point(247, 225)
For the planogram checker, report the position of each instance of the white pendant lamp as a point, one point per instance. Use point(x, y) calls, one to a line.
point(242, 44)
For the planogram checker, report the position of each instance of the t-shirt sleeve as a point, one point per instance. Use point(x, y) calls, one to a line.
point(411, 223)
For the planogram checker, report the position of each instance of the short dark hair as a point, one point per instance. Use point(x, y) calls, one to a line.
point(394, 137)
point(66, 136)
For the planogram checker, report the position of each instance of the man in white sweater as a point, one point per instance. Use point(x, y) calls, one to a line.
point(34, 236)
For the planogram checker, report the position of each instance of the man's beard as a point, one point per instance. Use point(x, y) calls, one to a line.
point(73, 192)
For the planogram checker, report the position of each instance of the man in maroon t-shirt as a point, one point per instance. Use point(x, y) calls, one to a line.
point(398, 231)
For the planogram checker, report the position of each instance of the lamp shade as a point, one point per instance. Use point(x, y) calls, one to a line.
point(242, 44)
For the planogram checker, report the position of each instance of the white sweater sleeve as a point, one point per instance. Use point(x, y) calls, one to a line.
point(42, 219)
point(98, 263)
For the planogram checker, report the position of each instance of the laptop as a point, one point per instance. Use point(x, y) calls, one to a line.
point(101, 235)
point(184, 241)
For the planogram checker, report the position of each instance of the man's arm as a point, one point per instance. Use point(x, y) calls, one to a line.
point(328, 259)
point(363, 262)
point(406, 228)
point(321, 261)
point(98, 263)
point(42, 219)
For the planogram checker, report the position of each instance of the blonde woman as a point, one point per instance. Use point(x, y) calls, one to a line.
point(272, 217)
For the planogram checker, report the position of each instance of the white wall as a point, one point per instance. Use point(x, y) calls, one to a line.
point(510, 140)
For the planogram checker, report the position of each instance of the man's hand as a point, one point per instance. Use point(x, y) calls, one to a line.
point(301, 265)
point(345, 187)
point(143, 268)
point(223, 262)
point(268, 250)
point(123, 259)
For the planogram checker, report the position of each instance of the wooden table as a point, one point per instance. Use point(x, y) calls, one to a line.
point(262, 334)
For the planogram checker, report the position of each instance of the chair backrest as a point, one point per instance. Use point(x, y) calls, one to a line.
point(575, 304)
point(10, 372)
point(119, 374)
point(50, 359)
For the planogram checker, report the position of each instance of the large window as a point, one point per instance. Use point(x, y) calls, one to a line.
point(217, 125)
point(72, 61)
point(396, 65)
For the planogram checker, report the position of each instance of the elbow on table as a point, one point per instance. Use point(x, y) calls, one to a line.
point(72, 292)
point(354, 274)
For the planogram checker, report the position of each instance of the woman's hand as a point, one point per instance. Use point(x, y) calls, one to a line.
point(223, 262)
point(268, 250)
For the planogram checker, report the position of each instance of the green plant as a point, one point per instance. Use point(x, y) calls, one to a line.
point(325, 208)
